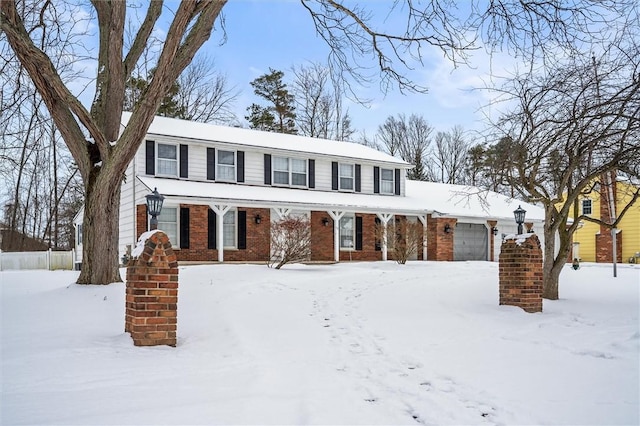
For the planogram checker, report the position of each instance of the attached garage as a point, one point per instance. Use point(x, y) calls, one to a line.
point(470, 242)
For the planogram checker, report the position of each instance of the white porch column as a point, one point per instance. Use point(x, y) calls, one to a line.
point(282, 212)
point(423, 218)
point(336, 216)
point(220, 210)
point(384, 218)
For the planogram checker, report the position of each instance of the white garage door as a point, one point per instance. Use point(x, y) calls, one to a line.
point(470, 242)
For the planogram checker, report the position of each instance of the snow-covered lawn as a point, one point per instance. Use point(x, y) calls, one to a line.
point(361, 343)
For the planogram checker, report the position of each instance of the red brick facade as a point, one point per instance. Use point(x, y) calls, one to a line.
point(521, 274)
point(604, 246)
point(151, 304)
point(604, 240)
point(440, 244)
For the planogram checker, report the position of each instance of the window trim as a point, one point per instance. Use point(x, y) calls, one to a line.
point(175, 244)
point(352, 217)
point(219, 177)
point(177, 160)
point(235, 230)
point(590, 206)
point(393, 182)
point(352, 177)
point(79, 235)
point(289, 171)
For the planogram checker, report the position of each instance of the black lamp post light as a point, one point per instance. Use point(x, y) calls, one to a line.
point(154, 207)
point(519, 215)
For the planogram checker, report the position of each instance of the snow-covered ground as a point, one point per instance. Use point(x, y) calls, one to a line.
point(361, 343)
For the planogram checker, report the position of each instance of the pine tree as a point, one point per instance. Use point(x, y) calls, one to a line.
point(279, 116)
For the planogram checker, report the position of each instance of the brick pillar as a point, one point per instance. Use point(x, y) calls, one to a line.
point(439, 242)
point(521, 273)
point(151, 314)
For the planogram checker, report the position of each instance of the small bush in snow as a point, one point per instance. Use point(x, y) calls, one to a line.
point(290, 241)
point(403, 238)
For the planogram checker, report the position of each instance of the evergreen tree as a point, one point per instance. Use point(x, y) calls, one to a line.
point(169, 107)
point(279, 116)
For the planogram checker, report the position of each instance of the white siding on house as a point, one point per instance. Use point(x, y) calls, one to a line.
point(254, 168)
point(323, 175)
point(366, 178)
point(197, 162)
point(127, 209)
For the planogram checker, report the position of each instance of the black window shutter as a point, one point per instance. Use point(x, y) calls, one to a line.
point(240, 169)
point(242, 230)
point(184, 227)
point(267, 169)
point(378, 242)
point(184, 161)
point(211, 230)
point(358, 232)
point(397, 181)
point(211, 164)
point(334, 175)
point(376, 180)
point(312, 173)
point(358, 172)
point(151, 158)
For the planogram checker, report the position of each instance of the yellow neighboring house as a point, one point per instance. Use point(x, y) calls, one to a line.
point(593, 242)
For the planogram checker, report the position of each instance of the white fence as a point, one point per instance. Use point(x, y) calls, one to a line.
point(50, 260)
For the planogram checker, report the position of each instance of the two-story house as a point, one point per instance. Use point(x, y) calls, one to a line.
point(593, 242)
point(223, 186)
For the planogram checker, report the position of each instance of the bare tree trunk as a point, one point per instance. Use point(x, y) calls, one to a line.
point(100, 235)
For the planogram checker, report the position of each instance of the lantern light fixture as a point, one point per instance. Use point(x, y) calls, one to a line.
point(447, 228)
point(519, 215)
point(154, 207)
point(257, 219)
point(325, 221)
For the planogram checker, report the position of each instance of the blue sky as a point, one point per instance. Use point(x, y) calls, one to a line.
point(280, 34)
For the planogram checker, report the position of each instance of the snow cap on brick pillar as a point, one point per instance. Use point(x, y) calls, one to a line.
point(151, 314)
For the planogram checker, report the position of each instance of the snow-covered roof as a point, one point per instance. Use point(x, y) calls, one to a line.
point(468, 201)
point(421, 198)
point(265, 140)
point(272, 196)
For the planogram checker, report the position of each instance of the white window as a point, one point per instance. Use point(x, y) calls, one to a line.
point(386, 181)
point(226, 165)
point(347, 232)
point(168, 222)
point(346, 176)
point(229, 229)
point(167, 160)
point(586, 207)
point(289, 171)
point(79, 234)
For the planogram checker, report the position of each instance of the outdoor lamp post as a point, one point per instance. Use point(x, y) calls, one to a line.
point(154, 206)
point(519, 214)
